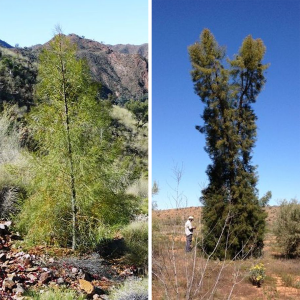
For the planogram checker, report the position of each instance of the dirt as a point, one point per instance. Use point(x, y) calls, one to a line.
point(41, 267)
point(273, 287)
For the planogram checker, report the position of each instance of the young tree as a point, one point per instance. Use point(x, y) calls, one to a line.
point(78, 180)
point(230, 129)
point(154, 191)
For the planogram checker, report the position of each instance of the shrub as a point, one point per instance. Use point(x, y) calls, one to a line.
point(53, 294)
point(13, 163)
point(131, 290)
point(257, 274)
point(287, 228)
point(136, 241)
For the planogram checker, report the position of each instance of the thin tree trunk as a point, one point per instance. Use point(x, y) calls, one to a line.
point(70, 156)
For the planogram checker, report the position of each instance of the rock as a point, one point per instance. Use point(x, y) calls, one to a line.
point(19, 290)
point(32, 278)
point(8, 284)
point(96, 296)
point(86, 286)
point(60, 280)
point(33, 269)
point(44, 277)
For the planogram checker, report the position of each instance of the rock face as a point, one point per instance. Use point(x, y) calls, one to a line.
point(122, 75)
point(122, 70)
point(131, 49)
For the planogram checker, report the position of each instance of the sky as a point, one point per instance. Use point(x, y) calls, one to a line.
point(32, 22)
point(176, 109)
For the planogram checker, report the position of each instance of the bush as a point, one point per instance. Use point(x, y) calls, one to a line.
point(53, 294)
point(287, 228)
point(136, 242)
point(257, 274)
point(13, 164)
point(132, 290)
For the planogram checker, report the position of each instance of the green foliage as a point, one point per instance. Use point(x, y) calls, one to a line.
point(134, 142)
point(233, 215)
point(80, 176)
point(139, 110)
point(136, 241)
point(287, 227)
point(17, 77)
point(54, 294)
point(13, 164)
point(154, 191)
point(131, 290)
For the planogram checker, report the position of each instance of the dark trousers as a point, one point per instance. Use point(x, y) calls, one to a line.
point(188, 246)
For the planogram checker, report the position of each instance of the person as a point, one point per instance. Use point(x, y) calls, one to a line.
point(189, 234)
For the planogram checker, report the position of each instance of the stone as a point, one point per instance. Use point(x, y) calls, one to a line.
point(8, 284)
point(60, 280)
point(44, 277)
point(19, 290)
point(86, 286)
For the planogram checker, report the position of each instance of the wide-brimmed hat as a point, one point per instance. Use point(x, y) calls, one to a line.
point(191, 218)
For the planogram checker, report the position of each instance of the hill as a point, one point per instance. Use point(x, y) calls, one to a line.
point(123, 74)
point(5, 45)
point(131, 49)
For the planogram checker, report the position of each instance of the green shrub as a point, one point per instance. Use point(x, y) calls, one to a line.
point(54, 294)
point(131, 290)
point(257, 274)
point(136, 241)
point(287, 228)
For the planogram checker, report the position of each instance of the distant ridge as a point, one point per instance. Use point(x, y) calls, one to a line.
point(131, 49)
point(5, 45)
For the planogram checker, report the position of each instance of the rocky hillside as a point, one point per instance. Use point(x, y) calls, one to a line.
point(131, 49)
point(122, 75)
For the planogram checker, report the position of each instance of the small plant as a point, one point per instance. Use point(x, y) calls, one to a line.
point(257, 274)
point(131, 290)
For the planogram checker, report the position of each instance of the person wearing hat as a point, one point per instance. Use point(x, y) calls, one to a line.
point(189, 234)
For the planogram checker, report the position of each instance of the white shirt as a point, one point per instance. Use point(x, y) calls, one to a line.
point(188, 228)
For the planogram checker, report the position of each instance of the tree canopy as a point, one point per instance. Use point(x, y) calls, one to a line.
point(233, 216)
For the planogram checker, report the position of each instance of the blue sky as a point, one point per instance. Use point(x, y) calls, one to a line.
point(176, 109)
point(31, 22)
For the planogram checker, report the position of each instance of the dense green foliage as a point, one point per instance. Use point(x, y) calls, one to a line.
point(17, 79)
point(287, 228)
point(139, 110)
point(13, 163)
point(232, 213)
point(80, 170)
point(136, 242)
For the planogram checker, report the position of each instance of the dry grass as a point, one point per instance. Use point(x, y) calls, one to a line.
point(172, 266)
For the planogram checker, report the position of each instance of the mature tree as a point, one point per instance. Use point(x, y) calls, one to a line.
point(79, 182)
point(233, 216)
